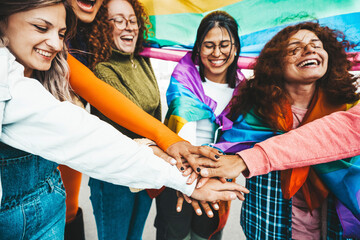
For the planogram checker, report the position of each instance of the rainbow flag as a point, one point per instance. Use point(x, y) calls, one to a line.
point(174, 22)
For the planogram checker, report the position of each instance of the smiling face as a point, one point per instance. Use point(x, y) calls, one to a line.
point(307, 60)
point(36, 36)
point(217, 53)
point(86, 10)
point(122, 12)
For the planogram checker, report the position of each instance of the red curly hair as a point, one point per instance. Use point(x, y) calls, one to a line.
point(265, 93)
point(101, 38)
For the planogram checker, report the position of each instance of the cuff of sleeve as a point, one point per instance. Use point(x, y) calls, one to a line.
point(256, 161)
point(178, 181)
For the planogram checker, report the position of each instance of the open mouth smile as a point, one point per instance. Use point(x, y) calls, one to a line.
point(86, 5)
point(309, 63)
point(43, 53)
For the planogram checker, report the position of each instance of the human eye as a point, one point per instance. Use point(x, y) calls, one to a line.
point(294, 50)
point(225, 44)
point(119, 20)
point(133, 21)
point(209, 45)
point(40, 28)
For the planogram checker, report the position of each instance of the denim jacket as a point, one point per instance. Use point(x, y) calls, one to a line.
point(32, 120)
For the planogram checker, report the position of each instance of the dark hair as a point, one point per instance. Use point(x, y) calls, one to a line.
point(223, 20)
point(266, 92)
point(100, 38)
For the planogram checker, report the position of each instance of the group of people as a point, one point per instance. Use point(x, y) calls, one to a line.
point(58, 56)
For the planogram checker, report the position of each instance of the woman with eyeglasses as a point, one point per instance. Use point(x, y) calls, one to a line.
point(201, 87)
point(121, 212)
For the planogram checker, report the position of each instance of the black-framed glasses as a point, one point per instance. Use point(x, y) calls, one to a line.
point(121, 23)
point(208, 48)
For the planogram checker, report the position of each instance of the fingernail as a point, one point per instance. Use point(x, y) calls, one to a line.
point(220, 152)
point(210, 213)
point(198, 169)
point(216, 207)
point(182, 168)
point(217, 156)
point(198, 211)
point(178, 209)
point(199, 185)
point(173, 162)
point(189, 180)
point(204, 172)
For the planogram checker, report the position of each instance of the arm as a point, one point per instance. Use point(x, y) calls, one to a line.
point(126, 113)
point(330, 138)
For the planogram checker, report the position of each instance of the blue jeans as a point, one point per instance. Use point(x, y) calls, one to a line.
point(33, 202)
point(119, 213)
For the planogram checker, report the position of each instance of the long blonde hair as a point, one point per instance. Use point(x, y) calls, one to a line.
point(56, 79)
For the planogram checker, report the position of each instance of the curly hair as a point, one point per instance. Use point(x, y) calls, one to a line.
point(265, 93)
point(101, 38)
point(223, 20)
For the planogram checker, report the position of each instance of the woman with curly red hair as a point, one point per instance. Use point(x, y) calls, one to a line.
point(301, 74)
point(119, 212)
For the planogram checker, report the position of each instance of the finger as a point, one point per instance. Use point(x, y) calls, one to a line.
point(209, 152)
point(223, 180)
point(201, 182)
point(232, 186)
point(187, 199)
point(215, 205)
point(196, 206)
point(179, 203)
point(188, 171)
point(207, 162)
point(212, 172)
point(240, 196)
point(207, 209)
point(192, 178)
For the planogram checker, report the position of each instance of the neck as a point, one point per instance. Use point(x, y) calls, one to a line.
point(301, 94)
point(28, 72)
point(218, 78)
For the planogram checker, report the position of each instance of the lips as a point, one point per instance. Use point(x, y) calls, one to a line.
point(217, 62)
point(86, 5)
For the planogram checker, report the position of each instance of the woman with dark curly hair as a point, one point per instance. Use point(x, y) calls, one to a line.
point(301, 74)
point(119, 212)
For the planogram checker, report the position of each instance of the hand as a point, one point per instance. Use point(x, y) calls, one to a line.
point(215, 190)
point(191, 153)
point(228, 166)
point(161, 154)
point(196, 206)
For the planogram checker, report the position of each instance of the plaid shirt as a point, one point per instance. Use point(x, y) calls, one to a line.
point(265, 214)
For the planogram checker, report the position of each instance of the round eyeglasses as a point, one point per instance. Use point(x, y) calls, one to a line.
point(121, 23)
point(301, 48)
point(208, 48)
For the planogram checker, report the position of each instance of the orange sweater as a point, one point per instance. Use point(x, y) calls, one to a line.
point(117, 107)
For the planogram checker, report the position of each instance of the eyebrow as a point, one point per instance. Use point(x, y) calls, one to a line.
point(214, 42)
point(298, 42)
point(49, 23)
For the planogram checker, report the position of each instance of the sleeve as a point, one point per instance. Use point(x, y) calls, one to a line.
point(34, 121)
point(117, 107)
point(330, 138)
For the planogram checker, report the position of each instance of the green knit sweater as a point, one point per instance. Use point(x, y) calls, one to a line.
point(134, 77)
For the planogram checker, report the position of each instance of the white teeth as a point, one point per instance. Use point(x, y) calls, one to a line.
point(218, 61)
point(312, 61)
point(44, 53)
point(128, 37)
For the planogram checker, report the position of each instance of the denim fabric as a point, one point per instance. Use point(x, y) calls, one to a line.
point(33, 202)
point(119, 213)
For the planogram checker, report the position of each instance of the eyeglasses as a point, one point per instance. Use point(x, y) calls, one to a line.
point(121, 23)
point(301, 48)
point(208, 48)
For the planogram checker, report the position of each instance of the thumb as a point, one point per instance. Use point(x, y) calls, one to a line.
point(211, 172)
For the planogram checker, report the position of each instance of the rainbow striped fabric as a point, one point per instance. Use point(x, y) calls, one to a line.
point(174, 22)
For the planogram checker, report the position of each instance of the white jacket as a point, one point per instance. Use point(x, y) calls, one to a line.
point(32, 120)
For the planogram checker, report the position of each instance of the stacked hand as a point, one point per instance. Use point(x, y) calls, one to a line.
point(203, 164)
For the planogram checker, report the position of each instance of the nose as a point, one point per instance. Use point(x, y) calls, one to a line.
point(54, 42)
point(309, 48)
point(216, 52)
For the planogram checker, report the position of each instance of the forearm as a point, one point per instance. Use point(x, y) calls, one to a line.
point(117, 107)
point(34, 121)
point(333, 137)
